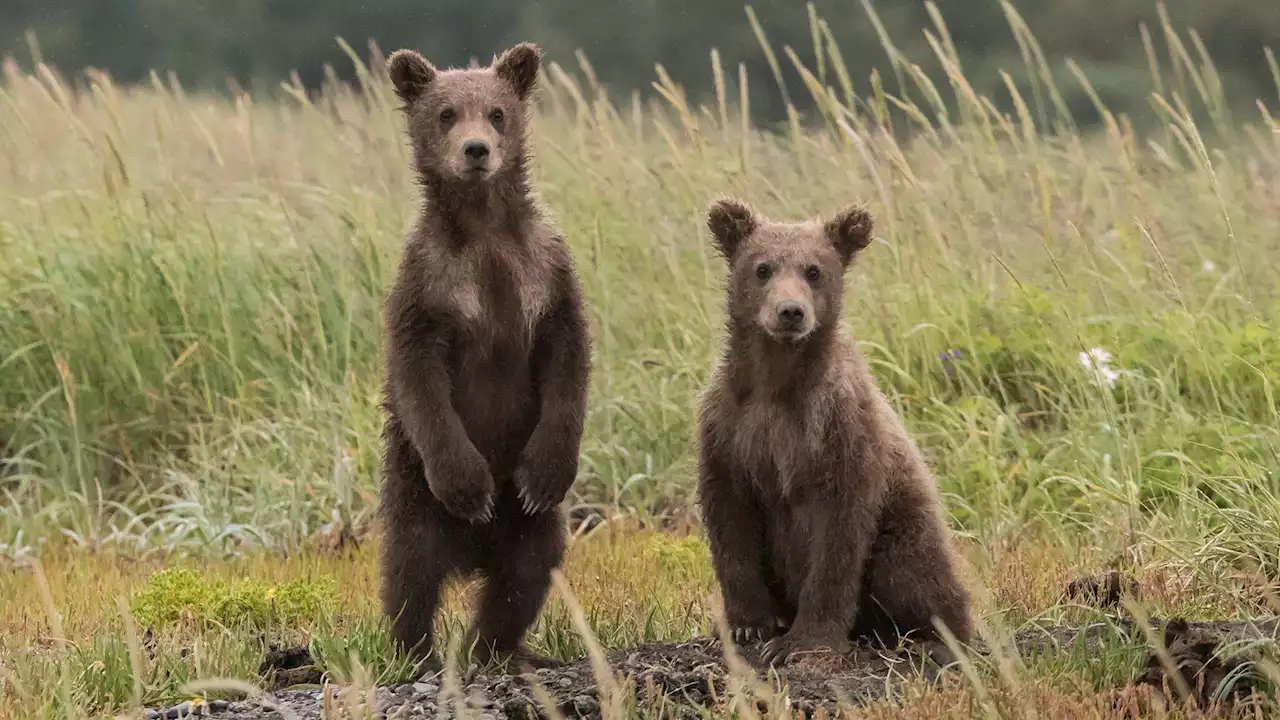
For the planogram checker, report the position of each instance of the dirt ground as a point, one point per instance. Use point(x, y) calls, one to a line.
point(690, 675)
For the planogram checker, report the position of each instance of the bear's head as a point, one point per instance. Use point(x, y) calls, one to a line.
point(467, 125)
point(786, 280)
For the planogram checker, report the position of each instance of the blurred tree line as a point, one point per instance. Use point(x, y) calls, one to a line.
point(258, 42)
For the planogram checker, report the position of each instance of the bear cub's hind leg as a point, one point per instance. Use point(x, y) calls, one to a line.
point(517, 578)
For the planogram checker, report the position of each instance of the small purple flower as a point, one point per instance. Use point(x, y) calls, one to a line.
point(946, 358)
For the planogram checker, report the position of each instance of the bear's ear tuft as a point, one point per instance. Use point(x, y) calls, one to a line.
point(410, 73)
point(519, 67)
point(849, 232)
point(731, 221)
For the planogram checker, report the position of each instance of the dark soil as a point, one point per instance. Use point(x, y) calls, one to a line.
point(1200, 664)
point(690, 675)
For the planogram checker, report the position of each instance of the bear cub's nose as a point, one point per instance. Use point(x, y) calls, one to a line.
point(477, 151)
point(791, 313)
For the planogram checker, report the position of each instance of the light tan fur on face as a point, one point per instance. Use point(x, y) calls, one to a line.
point(787, 253)
point(449, 108)
point(773, 264)
point(787, 284)
point(473, 96)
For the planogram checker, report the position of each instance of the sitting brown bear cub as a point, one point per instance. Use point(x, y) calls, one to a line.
point(821, 515)
point(487, 363)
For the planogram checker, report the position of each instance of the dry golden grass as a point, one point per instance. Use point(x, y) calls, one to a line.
point(636, 586)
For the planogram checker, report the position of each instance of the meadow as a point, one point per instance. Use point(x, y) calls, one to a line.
point(1079, 325)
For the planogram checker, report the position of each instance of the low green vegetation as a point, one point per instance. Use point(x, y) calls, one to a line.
point(181, 595)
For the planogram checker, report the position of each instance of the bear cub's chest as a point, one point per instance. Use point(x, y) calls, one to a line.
point(501, 298)
point(777, 446)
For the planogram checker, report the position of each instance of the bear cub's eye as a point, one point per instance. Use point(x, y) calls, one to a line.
point(763, 271)
point(813, 273)
point(448, 115)
point(496, 117)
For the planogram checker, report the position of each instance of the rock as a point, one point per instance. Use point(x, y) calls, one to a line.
point(585, 705)
point(515, 707)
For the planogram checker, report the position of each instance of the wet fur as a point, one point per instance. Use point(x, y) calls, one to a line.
point(487, 366)
point(823, 520)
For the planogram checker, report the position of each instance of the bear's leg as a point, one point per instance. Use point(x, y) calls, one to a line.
point(415, 564)
point(834, 533)
point(738, 539)
point(911, 579)
point(524, 551)
point(422, 545)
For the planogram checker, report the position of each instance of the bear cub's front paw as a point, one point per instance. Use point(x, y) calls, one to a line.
point(781, 649)
point(544, 475)
point(465, 488)
point(750, 621)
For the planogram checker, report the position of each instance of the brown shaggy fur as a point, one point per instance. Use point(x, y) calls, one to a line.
point(487, 363)
point(821, 515)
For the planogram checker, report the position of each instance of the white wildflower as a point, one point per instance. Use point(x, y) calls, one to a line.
point(1098, 364)
point(1208, 266)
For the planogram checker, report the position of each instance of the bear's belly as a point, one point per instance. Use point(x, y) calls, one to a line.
point(494, 395)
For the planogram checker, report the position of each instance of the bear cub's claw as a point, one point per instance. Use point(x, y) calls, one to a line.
point(539, 483)
point(745, 635)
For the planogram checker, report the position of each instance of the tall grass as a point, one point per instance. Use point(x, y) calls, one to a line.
point(190, 327)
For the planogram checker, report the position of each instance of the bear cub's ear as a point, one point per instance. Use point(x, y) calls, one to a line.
point(849, 232)
point(519, 67)
point(410, 74)
point(731, 221)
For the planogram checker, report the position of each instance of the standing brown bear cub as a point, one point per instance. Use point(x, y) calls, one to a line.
point(487, 363)
point(821, 515)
